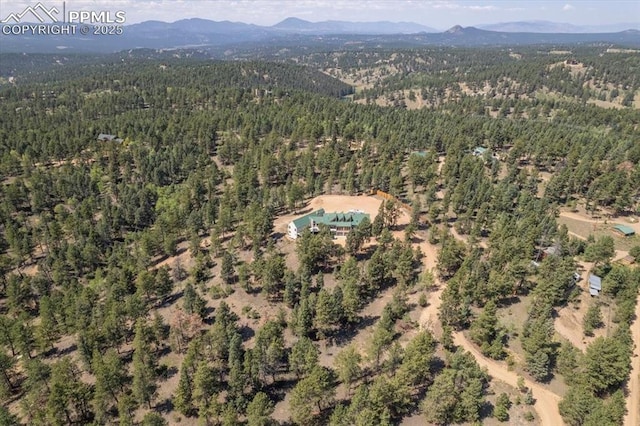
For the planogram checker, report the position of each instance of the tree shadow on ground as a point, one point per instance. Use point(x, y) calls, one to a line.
point(346, 334)
point(165, 406)
point(246, 332)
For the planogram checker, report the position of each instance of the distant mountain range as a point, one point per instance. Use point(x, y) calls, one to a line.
point(557, 27)
point(297, 32)
point(300, 26)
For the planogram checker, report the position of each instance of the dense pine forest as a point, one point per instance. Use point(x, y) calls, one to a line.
point(146, 276)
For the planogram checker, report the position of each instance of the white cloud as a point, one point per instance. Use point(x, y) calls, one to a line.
point(567, 7)
point(445, 5)
point(448, 5)
point(482, 8)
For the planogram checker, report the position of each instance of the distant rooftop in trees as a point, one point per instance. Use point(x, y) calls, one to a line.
point(104, 137)
point(479, 151)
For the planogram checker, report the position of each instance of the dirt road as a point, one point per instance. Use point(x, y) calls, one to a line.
point(633, 398)
point(429, 316)
point(546, 401)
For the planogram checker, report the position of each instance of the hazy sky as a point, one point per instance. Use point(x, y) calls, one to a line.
point(438, 14)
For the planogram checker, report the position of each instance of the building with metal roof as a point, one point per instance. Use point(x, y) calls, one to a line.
point(339, 223)
point(479, 151)
point(595, 285)
point(104, 137)
point(624, 230)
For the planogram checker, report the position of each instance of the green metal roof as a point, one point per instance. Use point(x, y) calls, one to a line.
point(340, 218)
point(305, 220)
point(624, 229)
point(480, 150)
point(343, 219)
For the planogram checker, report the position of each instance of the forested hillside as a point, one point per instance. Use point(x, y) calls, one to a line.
point(146, 277)
point(520, 78)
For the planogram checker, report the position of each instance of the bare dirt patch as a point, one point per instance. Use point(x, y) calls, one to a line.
point(605, 104)
point(570, 319)
point(583, 226)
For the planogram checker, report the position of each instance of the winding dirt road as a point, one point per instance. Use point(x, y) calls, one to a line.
point(632, 418)
point(546, 401)
point(429, 315)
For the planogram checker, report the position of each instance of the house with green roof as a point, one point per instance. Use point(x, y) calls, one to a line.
point(339, 223)
point(624, 230)
point(479, 151)
point(298, 225)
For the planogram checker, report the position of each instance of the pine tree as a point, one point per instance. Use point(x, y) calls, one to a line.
point(304, 357)
point(381, 339)
point(110, 378)
point(164, 283)
point(182, 399)
point(377, 272)
point(47, 331)
point(6, 366)
point(144, 364)
point(126, 407)
point(192, 302)
point(485, 331)
point(607, 363)
point(7, 336)
point(69, 398)
point(501, 410)
point(348, 366)
point(314, 391)
point(205, 385)
point(326, 314)
point(415, 369)
point(539, 365)
point(8, 419)
point(259, 410)
point(153, 419)
point(268, 353)
point(227, 270)
point(592, 319)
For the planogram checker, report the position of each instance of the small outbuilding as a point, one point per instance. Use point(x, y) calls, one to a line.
point(627, 260)
point(624, 230)
point(595, 285)
point(103, 137)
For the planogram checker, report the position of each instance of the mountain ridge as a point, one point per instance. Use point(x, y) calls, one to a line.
point(293, 32)
point(351, 27)
point(541, 26)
